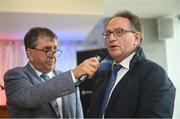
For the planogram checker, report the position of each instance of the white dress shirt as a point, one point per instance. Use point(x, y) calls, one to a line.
point(51, 75)
point(125, 68)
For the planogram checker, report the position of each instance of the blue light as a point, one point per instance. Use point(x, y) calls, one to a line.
point(70, 36)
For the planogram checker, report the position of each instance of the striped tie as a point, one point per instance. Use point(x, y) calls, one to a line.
point(109, 87)
point(54, 103)
point(45, 77)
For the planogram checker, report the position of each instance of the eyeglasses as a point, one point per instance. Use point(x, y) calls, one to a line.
point(50, 53)
point(117, 33)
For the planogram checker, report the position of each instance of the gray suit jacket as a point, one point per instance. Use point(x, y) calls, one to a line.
point(28, 96)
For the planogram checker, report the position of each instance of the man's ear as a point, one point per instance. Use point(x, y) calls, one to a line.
point(138, 38)
point(29, 54)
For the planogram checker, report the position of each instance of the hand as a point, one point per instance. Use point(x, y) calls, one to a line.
point(89, 67)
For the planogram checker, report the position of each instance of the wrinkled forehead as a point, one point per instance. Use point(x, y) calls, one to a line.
point(46, 40)
point(118, 22)
point(47, 37)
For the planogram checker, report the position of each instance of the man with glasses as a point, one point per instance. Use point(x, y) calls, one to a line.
point(38, 90)
point(127, 84)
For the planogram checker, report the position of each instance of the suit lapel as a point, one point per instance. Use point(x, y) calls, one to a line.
point(118, 90)
point(32, 73)
point(100, 87)
point(36, 79)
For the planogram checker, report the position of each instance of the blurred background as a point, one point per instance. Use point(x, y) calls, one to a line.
point(79, 25)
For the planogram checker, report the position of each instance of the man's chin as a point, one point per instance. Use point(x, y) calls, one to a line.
point(115, 54)
point(50, 68)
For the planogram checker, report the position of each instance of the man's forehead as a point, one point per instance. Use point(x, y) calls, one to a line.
point(118, 22)
point(48, 38)
point(47, 41)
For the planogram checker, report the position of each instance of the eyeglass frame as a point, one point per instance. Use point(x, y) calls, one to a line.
point(107, 34)
point(46, 51)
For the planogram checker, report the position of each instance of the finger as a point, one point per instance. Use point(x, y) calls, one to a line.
point(93, 59)
point(90, 71)
point(94, 63)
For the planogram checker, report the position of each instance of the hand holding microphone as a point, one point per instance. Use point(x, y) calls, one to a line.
point(87, 68)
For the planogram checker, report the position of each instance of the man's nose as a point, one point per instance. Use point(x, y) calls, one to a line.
point(52, 54)
point(112, 37)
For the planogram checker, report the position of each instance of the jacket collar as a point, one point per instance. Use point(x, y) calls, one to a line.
point(139, 55)
point(127, 78)
point(108, 61)
point(33, 72)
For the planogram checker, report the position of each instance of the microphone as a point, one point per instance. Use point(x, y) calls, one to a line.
point(100, 56)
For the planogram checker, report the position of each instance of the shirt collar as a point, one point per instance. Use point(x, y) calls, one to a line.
point(50, 74)
point(126, 62)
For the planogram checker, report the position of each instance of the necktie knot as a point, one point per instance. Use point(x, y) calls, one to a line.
point(116, 68)
point(44, 76)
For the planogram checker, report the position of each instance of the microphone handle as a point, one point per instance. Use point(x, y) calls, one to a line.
point(83, 77)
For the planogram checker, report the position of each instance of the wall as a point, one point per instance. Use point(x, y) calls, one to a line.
point(154, 49)
point(173, 63)
point(166, 53)
point(87, 7)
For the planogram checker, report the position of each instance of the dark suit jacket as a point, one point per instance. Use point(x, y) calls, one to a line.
point(28, 96)
point(144, 91)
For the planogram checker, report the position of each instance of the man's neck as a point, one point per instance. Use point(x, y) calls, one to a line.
point(50, 74)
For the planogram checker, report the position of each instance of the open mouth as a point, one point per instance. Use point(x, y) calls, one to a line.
point(113, 46)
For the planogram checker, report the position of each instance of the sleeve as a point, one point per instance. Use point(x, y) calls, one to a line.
point(73, 77)
point(23, 92)
point(157, 94)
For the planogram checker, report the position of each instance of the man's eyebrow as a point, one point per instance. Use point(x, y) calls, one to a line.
point(49, 47)
point(118, 28)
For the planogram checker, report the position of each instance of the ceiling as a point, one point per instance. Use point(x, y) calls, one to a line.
point(67, 27)
point(144, 8)
point(73, 20)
